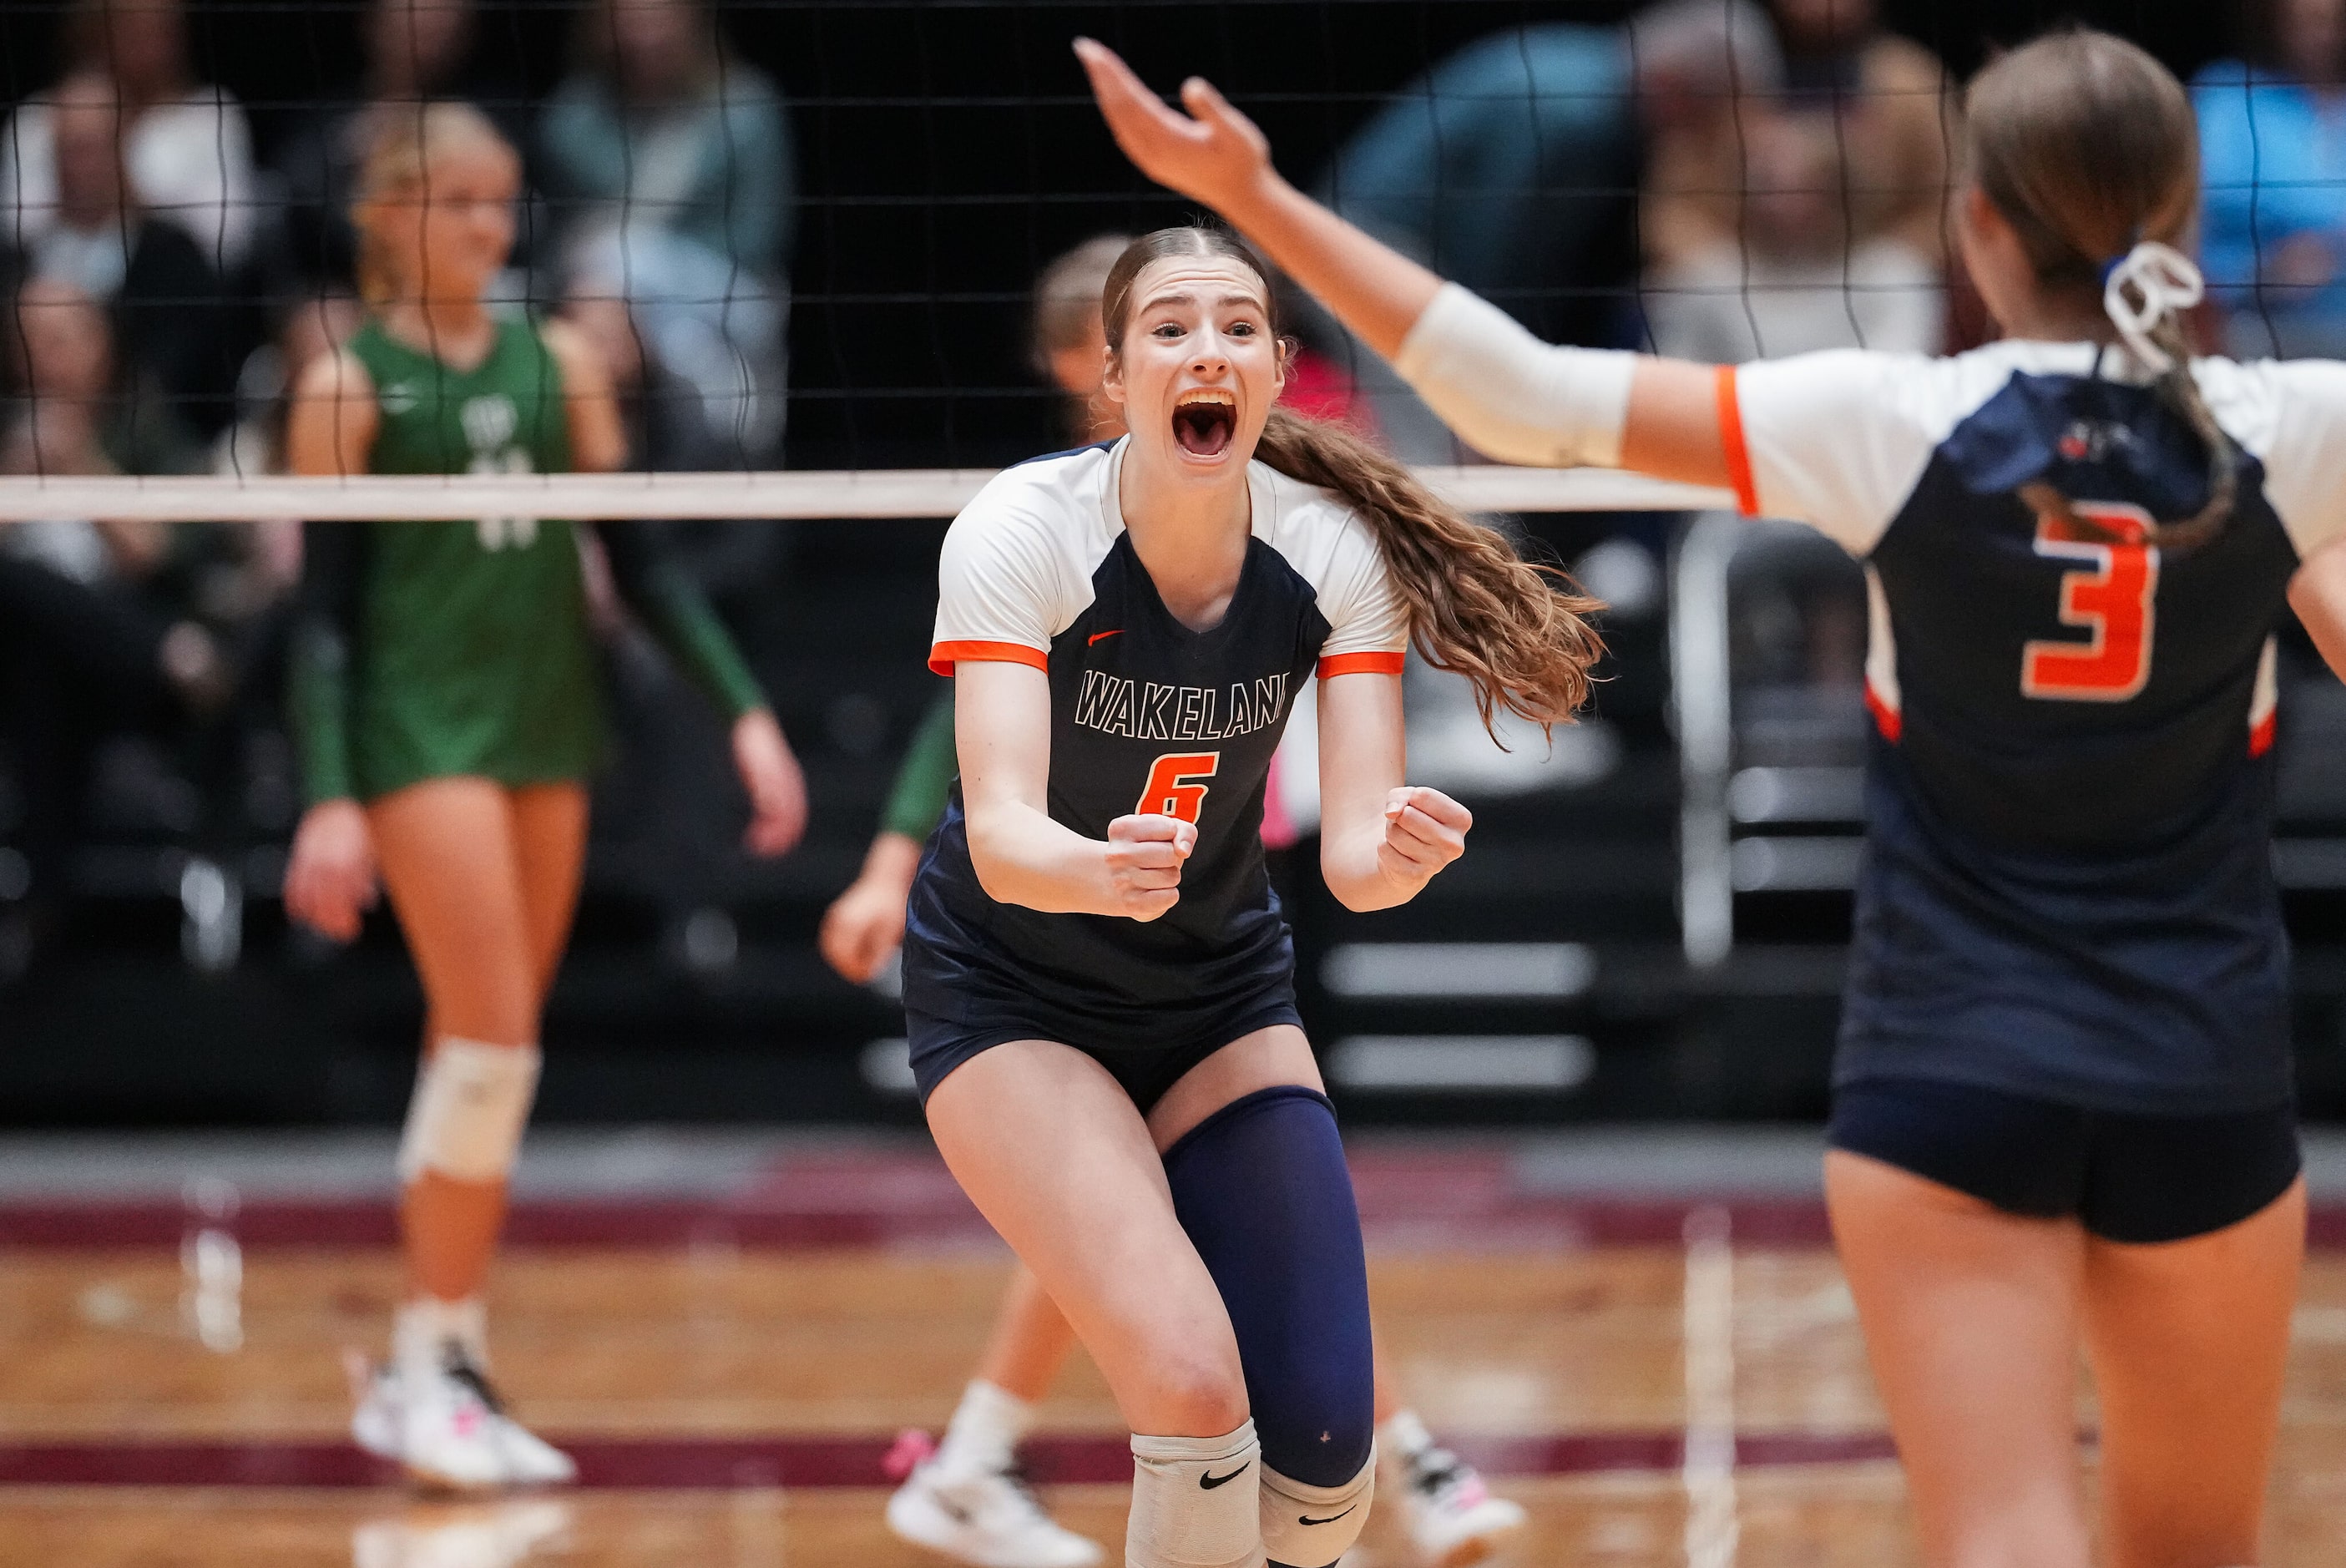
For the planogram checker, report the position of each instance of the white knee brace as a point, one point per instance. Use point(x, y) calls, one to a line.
point(1311, 1526)
point(1194, 1500)
point(470, 1103)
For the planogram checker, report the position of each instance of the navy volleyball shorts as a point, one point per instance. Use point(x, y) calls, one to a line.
point(2126, 1178)
point(1146, 1072)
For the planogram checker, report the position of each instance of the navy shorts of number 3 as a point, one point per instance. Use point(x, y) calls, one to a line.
point(2069, 990)
point(1147, 716)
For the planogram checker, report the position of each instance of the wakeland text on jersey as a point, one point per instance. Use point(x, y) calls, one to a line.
point(1147, 710)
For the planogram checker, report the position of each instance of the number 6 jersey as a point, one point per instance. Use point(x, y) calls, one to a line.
point(1147, 717)
point(2068, 890)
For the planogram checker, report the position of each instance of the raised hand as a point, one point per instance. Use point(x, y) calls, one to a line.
point(1424, 831)
point(1213, 158)
point(1145, 855)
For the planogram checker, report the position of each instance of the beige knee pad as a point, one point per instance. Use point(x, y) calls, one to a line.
point(1311, 1526)
point(1194, 1501)
point(472, 1101)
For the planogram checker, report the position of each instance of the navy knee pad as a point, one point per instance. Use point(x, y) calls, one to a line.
point(1261, 1187)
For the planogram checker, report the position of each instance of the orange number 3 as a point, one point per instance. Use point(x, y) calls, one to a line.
point(2111, 597)
point(1173, 790)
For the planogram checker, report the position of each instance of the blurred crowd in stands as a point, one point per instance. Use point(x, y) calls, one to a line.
point(163, 288)
point(1714, 179)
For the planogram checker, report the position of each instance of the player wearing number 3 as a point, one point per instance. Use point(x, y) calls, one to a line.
point(1098, 980)
point(448, 708)
point(2063, 1100)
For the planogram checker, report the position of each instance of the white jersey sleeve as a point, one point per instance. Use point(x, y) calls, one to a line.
point(1003, 592)
point(1836, 440)
point(2291, 415)
point(1329, 545)
point(1368, 621)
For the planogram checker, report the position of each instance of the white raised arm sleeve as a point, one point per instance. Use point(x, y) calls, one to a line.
point(1511, 396)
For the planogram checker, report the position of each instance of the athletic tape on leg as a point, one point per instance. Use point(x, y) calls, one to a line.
point(1194, 1501)
point(1263, 1190)
point(1311, 1526)
point(472, 1101)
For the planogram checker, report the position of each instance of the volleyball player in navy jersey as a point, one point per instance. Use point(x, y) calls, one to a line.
point(2063, 1098)
point(1098, 985)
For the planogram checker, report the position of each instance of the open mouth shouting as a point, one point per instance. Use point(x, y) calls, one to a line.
point(1204, 420)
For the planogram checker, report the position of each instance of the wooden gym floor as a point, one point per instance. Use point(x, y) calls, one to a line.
point(732, 1360)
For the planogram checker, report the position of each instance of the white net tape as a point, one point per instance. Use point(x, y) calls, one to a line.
point(847, 493)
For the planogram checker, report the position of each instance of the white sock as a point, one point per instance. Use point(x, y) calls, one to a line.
point(1196, 1502)
point(986, 1429)
point(1402, 1439)
point(426, 1327)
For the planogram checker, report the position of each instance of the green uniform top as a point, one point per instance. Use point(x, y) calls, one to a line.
point(916, 801)
point(433, 649)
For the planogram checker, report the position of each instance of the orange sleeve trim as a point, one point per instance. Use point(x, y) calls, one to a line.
point(944, 655)
point(1361, 664)
point(1730, 442)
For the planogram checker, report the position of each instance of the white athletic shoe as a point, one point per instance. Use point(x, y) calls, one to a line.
point(1449, 1515)
point(988, 1519)
point(456, 1436)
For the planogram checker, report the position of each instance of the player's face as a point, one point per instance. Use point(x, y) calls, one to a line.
point(1199, 368)
point(452, 231)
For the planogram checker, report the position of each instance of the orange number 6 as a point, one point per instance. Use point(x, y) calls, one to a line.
point(1171, 792)
point(2111, 597)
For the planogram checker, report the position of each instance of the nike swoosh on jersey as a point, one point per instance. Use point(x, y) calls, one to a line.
point(1307, 1519)
point(1210, 1481)
point(1099, 636)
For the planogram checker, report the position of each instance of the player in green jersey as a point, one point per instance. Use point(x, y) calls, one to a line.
point(449, 715)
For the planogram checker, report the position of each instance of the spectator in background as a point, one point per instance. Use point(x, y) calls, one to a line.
point(2272, 150)
point(417, 51)
point(1801, 209)
point(669, 793)
point(670, 166)
point(1513, 163)
point(1067, 345)
point(70, 389)
point(671, 428)
point(313, 324)
point(162, 297)
point(1883, 99)
point(1796, 274)
point(63, 422)
point(186, 146)
point(91, 641)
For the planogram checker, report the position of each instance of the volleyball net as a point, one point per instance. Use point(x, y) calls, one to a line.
point(831, 250)
point(843, 494)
